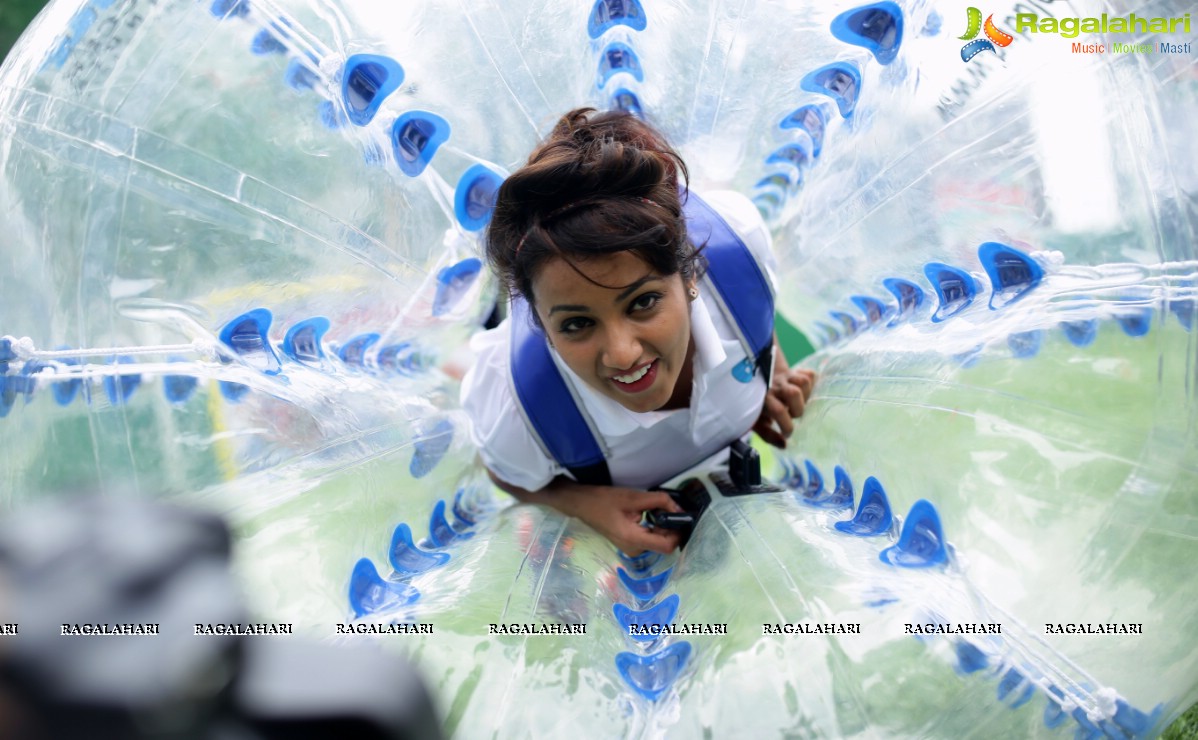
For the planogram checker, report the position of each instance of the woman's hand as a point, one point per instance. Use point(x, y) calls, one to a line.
point(616, 514)
point(612, 511)
point(784, 401)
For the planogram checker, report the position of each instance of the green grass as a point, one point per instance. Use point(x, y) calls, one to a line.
point(1185, 728)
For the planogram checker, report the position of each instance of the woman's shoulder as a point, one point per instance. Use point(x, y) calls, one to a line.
point(497, 423)
point(486, 394)
point(744, 219)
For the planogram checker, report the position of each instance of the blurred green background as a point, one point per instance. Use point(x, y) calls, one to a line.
point(16, 14)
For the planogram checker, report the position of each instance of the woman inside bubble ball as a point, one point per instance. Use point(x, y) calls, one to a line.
point(629, 356)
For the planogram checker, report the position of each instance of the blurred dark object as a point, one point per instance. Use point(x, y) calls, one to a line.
point(744, 473)
point(100, 561)
point(692, 497)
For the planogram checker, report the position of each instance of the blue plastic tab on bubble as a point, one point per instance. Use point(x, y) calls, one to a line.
point(1185, 310)
point(815, 481)
point(933, 24)
point(970, 659)
point(64, 391)
point(331, 116)
point(1133, 721)
point(645, 589)
point(909, 295)
point(353, 352)
point(299, 76)
point(778, 180)
point(955, 288)
point(430, 447)
point(608, 14)
point(792, 155)
point(662, 613)
point(830, 333)
point(841, 495)
point(464, 517)
point(453, 283)
point(848, 321)
point(246, 336)
point(1012, 273)
point(1086, 728)
point(792, 475)
point(474, 197)
point(303, 341)
point(921, 543)
point(812, 120)
point(408, 559)
point(1011, 681)
point(1008, 683)
point(266, 41)
point(415, 138)
point(652, 675)
point(179, 388)
point(118, 388)
point(627, 101)
point(25, 384)
point(399, 358)
point(873, 309)
point(370, 593)
point(8, 395)
point(873, 516)
point(440, 532)
point(640, 563)
point(877, 27)
point(618, 57)
point(1136, 321)
point(366, 82)
point(229, 8)
point(841, 81)
point(1054, 716)
point(767, 203)
point(1025, 344)
point(1080, 333)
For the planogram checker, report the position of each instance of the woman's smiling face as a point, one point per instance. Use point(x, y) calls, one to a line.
point(630, 342)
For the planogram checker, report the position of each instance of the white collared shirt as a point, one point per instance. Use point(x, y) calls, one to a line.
point(644, 449)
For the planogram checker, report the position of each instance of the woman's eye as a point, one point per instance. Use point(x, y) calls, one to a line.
point(571, 326)
point(646, 301)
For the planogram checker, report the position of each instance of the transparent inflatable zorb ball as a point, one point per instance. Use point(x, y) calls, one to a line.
point(240, 255)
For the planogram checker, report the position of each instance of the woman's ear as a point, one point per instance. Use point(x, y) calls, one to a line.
point(692, 292)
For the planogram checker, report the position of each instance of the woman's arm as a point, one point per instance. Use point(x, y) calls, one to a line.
point(612, 511)
point(784, 401)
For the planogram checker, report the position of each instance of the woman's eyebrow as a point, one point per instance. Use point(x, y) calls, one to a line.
point(568, 307)
point(634, 287)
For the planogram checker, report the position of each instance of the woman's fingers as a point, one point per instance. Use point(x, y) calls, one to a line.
point(649, 500)
point(779, 411)
point(658, 540)
point(764, 427)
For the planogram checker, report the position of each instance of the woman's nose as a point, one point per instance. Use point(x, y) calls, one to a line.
point(622, 348)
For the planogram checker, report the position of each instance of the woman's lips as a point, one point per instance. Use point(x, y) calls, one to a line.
point(641, 384)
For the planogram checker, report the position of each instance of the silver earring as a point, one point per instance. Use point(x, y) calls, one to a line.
point(694, 293)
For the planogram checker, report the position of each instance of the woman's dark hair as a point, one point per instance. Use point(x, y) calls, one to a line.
point(599, 184)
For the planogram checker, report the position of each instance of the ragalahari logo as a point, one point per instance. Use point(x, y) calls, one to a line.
point(993, 35)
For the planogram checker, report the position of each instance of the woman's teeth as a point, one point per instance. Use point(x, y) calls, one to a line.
point(633, 376)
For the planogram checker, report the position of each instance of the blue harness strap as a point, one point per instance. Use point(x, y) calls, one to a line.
point(743, 289)
point(556, 417)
